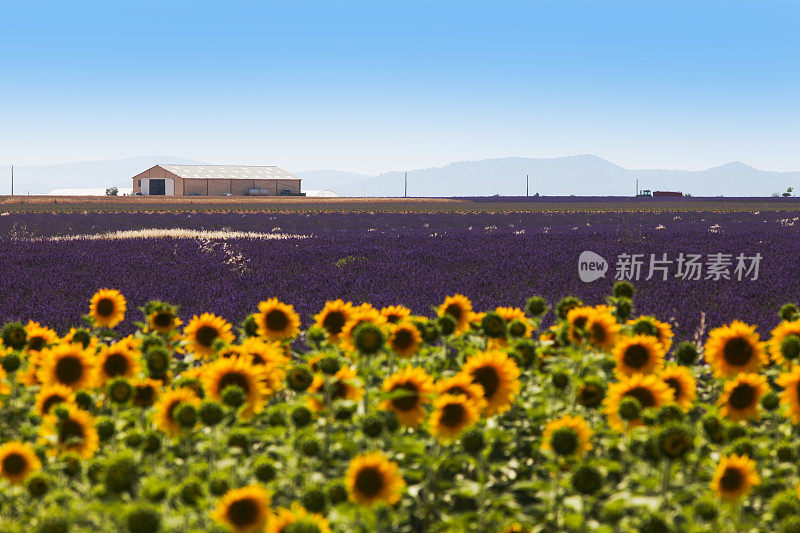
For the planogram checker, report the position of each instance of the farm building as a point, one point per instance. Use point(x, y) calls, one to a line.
point(215, 180)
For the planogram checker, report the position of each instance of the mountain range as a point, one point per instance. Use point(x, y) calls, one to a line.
point(580, 175)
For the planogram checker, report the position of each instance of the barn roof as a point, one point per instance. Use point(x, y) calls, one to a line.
point(228, 172)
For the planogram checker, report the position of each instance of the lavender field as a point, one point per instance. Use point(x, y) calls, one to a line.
point(227, 262)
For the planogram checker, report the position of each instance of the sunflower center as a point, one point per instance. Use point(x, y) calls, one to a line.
point(105, 307)
point(163, 319)
point(646, 327)
point(453, 415)
point(456, 390)
point(51, 401)
point(70, 430)
point(243, 512)
point(742, 396)
point(115, 364)
point(257, 359)
point(675, 385)
point(393, 319)
point(737, 351)
point(599, 333)
point(580, 322)
point(591, 395)
point(14, 464)
point(636, 356)
point(369, 482)
point(82, 336)
point(731, 480)
point(407, 401)
point(143, 395)
point(676, 445)
point(234, 378)
point(36, 343)
point(69, 369)
point(455, 311)
point(276, 320)
point(206, 335)
point(643, 395)
point(403, 339)
point(486, 377)
point(564, 441)
point(338, 390)
point(334, 322)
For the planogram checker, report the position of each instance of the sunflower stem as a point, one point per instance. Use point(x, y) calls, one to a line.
point(430, 489)
point(328, 417)
point(665, 478)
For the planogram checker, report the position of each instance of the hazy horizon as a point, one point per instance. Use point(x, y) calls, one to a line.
point(371, 88)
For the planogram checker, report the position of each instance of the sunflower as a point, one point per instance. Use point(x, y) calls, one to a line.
point(410, 389)
point(497, 375)
point(649, 390)
point(4, 387)
point(567, 436)
point(405, 339)
point(648, 325)
point(236, 371)
point(782, 354)
point(739, 399)
point(602, 330)
point(459, 307)
point(342, 386)
point(280, 521)
point(682, 383)
point(640, 354)
point(17, 462)
point(145, 391)
point(462, 384)
point(733, 349)
point(790, 396)
point(117, 360)
point(277, 321)
point(333, 317)
point(244, 510)
point(577, 319)
point(270, 357)
point(30, 375)
point(169, 400)
point(510, 314)
point(371, 478)
point(395, 314)
point(67, 364)
point(365, 313)
point(39, 337)
point(204, 330)
point(452, 414)
point(734, 477)
point(107, 308)
point(164, 320)
point(51, 395)
point(74, 433)
point(83, 337)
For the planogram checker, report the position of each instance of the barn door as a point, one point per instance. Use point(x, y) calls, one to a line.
point(157, 187)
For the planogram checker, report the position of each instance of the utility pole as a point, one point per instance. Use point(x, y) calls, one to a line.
point(637, 186)
point(526, 185)
point(12, 180)
point(405, 184)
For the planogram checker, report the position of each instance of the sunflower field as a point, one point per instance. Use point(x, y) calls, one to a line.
point(553, 416)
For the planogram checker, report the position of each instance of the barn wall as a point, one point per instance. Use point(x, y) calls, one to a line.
point(194, 187)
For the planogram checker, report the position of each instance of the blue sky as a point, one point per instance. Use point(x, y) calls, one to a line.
point(379, 86)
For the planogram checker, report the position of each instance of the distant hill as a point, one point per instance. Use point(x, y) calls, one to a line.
point(82, 175)
point(580, 175)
